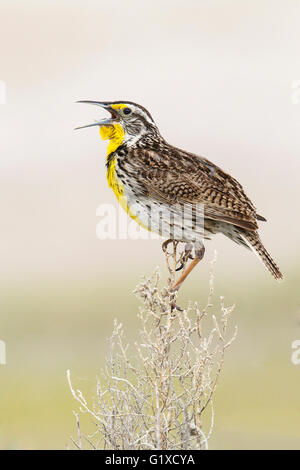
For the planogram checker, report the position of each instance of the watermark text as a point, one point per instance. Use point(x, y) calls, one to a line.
point(2, 352)
point(295, 95)
point(182, 222)
point(295, 357)
point(2, 92)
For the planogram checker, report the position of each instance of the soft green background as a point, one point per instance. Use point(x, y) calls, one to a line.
point(218, 78)
point(51, 329)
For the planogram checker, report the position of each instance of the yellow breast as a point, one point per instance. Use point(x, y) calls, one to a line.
point(115, 134)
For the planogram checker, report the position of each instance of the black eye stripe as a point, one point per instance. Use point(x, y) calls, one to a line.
point(126, 110)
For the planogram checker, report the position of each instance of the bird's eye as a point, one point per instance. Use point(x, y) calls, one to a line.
point(126, 110)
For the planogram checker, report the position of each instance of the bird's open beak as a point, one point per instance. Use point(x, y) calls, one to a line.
point(102, 122)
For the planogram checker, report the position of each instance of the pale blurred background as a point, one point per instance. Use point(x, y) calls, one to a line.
point(217, 77)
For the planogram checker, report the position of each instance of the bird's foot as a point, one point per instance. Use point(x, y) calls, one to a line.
point(199, 253)
point(199, 250)
point(186, 255)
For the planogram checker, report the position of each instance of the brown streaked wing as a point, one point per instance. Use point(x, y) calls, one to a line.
point(170, 176)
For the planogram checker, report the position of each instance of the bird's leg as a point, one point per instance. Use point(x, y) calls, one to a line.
point(199, 253)
point(186, 255)
point(171, 269)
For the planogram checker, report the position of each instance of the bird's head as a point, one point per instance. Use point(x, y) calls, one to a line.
point(128, 122)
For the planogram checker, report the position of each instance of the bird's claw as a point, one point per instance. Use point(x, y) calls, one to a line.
point(187, 255)
point(180, 267)
point(166, 244)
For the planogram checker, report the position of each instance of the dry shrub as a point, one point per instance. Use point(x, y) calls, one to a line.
point(158, 394)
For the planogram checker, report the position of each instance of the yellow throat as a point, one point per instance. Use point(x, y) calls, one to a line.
point(115, 134)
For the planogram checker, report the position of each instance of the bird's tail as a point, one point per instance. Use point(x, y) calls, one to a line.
point(254, 243)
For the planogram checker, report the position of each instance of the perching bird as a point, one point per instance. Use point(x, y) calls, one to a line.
point(165, 189)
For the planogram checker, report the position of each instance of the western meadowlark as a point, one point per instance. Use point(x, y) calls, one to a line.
point(157, 184)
